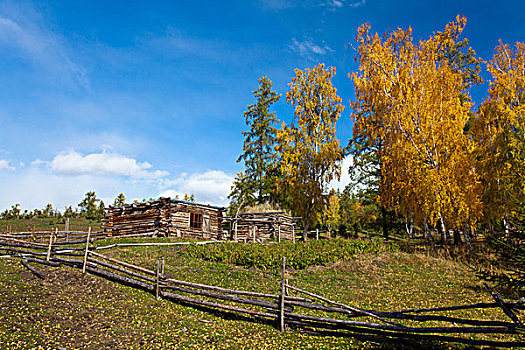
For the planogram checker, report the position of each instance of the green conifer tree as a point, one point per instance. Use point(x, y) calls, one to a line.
point(257, 184)
point(120, 200)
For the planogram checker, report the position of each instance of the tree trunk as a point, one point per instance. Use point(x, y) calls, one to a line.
point(443, 230)
point(305, 230)
point(430, 239)
point(466, 235)
point(385, 224)
point(506, 225)
point(457, 237)
point(410, 228)
point(306, 225)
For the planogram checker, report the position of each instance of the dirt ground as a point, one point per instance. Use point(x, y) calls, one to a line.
point(66, 309)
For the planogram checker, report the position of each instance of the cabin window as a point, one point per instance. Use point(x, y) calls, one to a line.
point(196, 221)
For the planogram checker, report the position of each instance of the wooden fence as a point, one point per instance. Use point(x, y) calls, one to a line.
point(286, 311)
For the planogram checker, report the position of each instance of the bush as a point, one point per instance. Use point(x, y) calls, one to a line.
point(509, 256)
point(298, 255)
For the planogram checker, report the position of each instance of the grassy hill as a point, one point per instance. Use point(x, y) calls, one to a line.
point(45, 224)
point(70, 310)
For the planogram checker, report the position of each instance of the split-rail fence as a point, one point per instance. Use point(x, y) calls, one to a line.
point(283, 309)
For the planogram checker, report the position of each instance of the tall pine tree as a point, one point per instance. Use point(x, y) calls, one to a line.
point(257, 184)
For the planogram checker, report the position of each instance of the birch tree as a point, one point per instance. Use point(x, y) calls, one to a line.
point(499, 130)
point(412, 105)
point(332, 212)
point(309, 149)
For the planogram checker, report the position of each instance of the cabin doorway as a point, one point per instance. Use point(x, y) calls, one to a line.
point(206, 226)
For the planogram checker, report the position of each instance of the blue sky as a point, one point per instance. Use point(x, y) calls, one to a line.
point(148, 98)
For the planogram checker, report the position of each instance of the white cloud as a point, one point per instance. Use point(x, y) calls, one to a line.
point(211, 187)
point(345, 176)
point(276, 4)
point(24, 33)
point(334, 4)
point(309, 49)
point(34, 187)
point(175, 44)
point(4, 164)
point(331, 5)
point(337, 4)
point(66, 179)
point(38, 162)
point(357, 3)
point(74, 163)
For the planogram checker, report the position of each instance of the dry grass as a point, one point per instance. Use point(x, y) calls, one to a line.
point(264, 208)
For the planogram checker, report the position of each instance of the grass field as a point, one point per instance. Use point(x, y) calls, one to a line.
point(46, 224)
point(68, 310)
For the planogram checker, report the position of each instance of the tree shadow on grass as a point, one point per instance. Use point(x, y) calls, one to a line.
point(378, 338)
point(507, 294)
point(407, 341)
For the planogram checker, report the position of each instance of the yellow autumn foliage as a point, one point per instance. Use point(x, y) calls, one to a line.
point(413, 102)
point(310, 151)
point(499, 130)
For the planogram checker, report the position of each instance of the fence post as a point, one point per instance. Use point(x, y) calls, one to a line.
point(317, 234)
point(48, 256)
point(293, 233)
point(157, 274)
point(279, 232)
point(283, 292)
point(86, 251)
point(162, 267)
point(67, 229)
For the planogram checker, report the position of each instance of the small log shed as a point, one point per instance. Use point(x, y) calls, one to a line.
point(262, 226)
point(164, 217)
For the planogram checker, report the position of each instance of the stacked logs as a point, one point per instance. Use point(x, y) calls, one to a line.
point(163, 217)
point(180, 212)
point(262, 226)
point(146, 218)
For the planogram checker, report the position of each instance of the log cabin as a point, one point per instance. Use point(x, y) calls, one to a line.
point(164, 217)
point(260, 227)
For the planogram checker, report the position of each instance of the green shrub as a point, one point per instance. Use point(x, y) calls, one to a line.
point(508, 250)
point(298, 255)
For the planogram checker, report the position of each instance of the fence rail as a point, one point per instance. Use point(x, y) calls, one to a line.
point(76, 237)
point(284, 309)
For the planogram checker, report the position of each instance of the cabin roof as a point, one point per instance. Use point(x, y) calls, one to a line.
point(261, 216)
point(268, 213)
point(208, 206)
point(172, 200)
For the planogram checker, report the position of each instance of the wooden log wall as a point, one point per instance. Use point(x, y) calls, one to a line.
point(137, 218)
point(262, 226)
point(180, 220)
point(162, 217)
